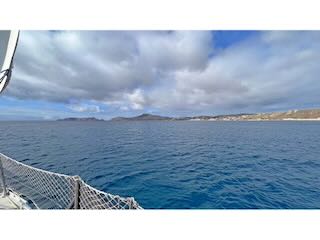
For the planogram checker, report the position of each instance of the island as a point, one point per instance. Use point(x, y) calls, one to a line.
point(292, 115)
point(87, 119)
point(142, 117)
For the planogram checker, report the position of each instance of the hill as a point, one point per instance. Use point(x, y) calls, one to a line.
point(88, 119)
point(311, 114)
point(142, 117)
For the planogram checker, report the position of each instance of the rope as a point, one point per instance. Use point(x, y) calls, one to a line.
point(6, 74)
point(9, 70)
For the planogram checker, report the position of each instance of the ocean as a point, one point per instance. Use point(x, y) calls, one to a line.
point(180, 164)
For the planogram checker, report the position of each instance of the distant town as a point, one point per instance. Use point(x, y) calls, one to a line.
point(292, 115)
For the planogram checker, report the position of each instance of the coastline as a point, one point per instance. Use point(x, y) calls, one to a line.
point(255, 120)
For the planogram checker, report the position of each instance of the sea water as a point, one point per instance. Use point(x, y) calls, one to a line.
point(180, 164)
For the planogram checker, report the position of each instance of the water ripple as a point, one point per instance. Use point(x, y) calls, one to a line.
point(180, 164)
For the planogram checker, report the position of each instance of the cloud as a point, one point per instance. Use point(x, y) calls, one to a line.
point(85, 108)
point(273, 70)
point(63, 66)
point(136, 99)
point(176, 71)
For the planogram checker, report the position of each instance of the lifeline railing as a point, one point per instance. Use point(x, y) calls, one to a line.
point(49, 190)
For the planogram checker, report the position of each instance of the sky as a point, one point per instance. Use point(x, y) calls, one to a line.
point(105, 74)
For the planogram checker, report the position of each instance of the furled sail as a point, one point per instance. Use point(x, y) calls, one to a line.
point(8, 44)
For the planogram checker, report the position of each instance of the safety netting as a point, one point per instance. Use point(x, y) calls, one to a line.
point(49, 190)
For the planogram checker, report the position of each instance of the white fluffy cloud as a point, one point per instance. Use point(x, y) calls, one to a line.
point(84, 108)
point(274, 70)
point(168, 71)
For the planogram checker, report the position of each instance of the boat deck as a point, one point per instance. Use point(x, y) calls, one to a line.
point(13, 200)
point(7, 203)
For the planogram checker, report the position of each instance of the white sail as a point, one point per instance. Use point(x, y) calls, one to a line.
point(8, 43)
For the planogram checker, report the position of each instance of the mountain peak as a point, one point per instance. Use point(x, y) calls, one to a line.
point(142, 117)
